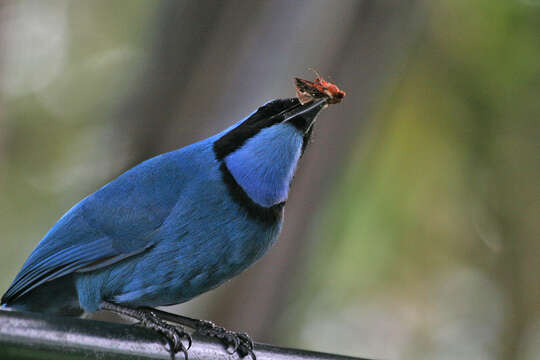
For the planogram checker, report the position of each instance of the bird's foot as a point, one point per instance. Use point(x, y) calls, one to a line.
point(175, 335)
point(236, 342)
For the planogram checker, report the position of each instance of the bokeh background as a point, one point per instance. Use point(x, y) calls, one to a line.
point(413, 227)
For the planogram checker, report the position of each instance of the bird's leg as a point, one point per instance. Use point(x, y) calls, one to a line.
point(235, 342)
point(148, 318)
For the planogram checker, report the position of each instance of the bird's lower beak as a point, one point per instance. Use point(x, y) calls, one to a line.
point(310, 109)
point(303, 116)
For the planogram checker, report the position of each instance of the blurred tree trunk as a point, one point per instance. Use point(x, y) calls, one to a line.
point(515, 175)
point(503, 173)
point(3, 127)
point(182, 31)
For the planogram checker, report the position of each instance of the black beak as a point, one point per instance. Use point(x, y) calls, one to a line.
point(303, 116)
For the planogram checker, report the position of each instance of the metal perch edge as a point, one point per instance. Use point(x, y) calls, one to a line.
point(39, 336)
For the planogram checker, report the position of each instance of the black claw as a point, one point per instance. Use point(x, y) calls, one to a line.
point(189, 340)
point(184, 351)
point(147, 317)
point(246, 339)
point(244, 350)
point(239, 343)
point(232, 341)
point(173, 334)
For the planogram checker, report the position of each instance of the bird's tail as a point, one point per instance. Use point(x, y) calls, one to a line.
point(56, 297)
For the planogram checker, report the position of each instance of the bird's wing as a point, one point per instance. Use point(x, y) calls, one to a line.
point(110, 225)
point(82, 257)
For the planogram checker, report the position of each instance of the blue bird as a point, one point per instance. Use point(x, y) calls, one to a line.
point(172, 227)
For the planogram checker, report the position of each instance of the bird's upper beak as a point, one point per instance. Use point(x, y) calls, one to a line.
point(303, 116)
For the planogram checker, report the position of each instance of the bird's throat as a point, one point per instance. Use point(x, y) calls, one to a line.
point(269, 215)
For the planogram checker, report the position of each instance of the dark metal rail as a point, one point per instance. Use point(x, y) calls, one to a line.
point(38, 336)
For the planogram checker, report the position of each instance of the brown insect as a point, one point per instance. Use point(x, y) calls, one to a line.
point(306, 90)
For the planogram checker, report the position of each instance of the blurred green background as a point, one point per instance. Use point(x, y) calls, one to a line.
point(412, 230)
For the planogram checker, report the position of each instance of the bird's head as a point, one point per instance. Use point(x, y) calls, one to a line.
point(260, 153)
